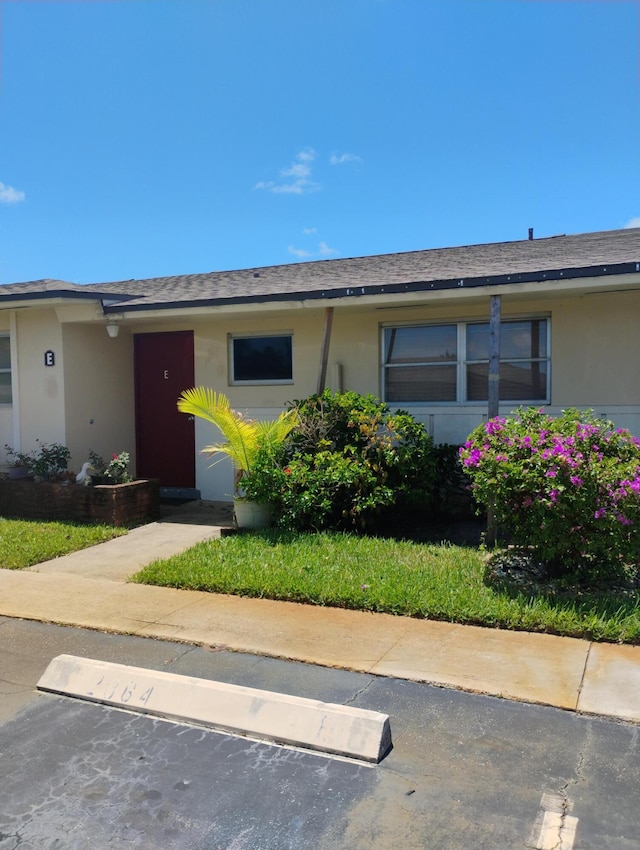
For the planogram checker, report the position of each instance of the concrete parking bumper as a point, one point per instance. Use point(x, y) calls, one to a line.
point(267, 716)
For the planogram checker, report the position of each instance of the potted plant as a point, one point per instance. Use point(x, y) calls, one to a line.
point(244, 440)
point(116, 471)
point(19, 463)
point(18, 472)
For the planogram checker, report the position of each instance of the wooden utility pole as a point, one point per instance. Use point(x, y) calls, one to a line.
point(324, 357)
point(493, 398)
point(494, 357)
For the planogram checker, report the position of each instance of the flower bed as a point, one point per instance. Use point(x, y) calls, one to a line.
point(119, 504)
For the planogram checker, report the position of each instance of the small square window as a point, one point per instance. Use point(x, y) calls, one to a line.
point(261, 359)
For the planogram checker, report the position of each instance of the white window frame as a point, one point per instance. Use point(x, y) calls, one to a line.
point(236, 382)
point(461, 365)
point(7, 370)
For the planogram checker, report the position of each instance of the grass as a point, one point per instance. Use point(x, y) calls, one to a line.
point(24, 543)
point(439, 582)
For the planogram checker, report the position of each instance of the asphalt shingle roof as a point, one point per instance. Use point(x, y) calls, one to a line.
point(47, 285)
point(600, 253)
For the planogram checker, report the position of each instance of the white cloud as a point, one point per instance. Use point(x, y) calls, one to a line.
point(282, 188)
point(634, 222)
point(340, 159)
point(300, 171)
point(323, 250)
point(9, 195)
point(299, 252)
point(306, 155)
point(309, 231)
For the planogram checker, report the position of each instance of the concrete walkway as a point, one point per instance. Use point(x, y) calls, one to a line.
point(89, 589)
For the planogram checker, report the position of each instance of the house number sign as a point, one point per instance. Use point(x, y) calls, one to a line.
point(49, 358)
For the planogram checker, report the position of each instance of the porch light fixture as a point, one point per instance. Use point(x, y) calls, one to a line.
point(113, 329)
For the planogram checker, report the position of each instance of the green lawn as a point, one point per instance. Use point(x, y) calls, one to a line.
point(439, 582)
point(24, 543)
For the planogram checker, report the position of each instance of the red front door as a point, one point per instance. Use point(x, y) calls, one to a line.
point(165, 438)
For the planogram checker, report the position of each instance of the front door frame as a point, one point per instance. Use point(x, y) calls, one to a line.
point(150, 462)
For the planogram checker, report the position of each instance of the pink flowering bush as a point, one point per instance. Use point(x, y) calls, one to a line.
point(566, 487)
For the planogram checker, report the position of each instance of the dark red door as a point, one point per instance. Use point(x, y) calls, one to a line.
point(165, 438)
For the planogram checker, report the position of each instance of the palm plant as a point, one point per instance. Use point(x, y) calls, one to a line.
point(243, 437)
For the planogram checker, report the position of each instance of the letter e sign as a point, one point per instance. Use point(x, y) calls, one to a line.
point(49, 358)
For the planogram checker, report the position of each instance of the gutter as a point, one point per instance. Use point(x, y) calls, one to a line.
point(63, 295)
point(384, 289)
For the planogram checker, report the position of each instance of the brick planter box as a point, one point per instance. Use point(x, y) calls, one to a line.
point(116, 504)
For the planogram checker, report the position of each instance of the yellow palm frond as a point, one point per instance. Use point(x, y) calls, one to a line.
point(242, 437)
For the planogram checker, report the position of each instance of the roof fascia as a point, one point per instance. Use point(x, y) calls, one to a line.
point(534, 291)
point(540, 280)
point(57, 296)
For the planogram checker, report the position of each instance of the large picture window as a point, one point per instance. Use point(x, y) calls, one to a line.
point(5, 370)
point(450, 362)
point(261, 359)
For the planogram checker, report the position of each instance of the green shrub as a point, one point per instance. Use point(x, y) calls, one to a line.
point(44, 463)
point(349, 463)
point(567, 487)
point(453, 497)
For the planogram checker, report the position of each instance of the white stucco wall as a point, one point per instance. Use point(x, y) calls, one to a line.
point(99, 403)
point(41, 388)
point(6, 431)
point(92, 379)
point(595, 350)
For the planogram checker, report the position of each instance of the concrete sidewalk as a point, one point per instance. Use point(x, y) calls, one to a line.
point(89, 589)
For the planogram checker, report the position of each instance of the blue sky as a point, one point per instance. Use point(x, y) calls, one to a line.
point(141, 138)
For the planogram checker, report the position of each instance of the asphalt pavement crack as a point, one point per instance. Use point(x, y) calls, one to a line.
point(359, 693)
point(186, 652)
point(562, 804)
point(579, 768)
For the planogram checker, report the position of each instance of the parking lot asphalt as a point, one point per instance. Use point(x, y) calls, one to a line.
point(466, 770)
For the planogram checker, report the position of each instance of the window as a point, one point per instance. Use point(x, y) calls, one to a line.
point(523, 361)
point(450, 363)
point(421, 363)
point(261, 359)
point(5, 370)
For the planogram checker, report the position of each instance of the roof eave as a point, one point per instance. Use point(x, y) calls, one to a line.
point(348, 293)
point(58, 296)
